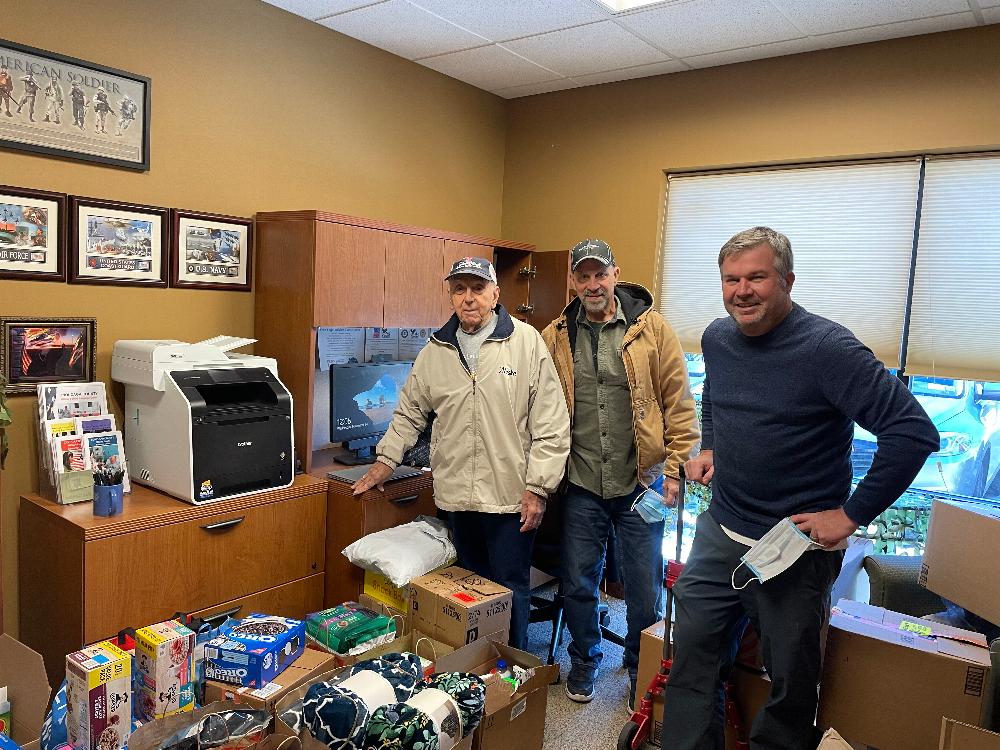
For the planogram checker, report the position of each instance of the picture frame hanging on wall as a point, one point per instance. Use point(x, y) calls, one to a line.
point(112, 242)
point(46, 350)
point(32, 234)
point(58, 105)
point(211, 251)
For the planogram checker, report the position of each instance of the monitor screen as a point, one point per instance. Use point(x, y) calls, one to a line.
point(363, 398)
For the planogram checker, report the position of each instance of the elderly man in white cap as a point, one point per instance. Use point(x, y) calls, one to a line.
point(500, 437)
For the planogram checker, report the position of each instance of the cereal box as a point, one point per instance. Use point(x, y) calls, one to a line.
point(164, 661)
point(98, 686)
point(255, 651)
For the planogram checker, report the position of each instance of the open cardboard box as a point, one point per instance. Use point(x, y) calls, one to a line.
point(23, 672)
point(934, 669)
point(958, 736)
point(512, 719)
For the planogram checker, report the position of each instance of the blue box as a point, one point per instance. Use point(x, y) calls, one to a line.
point(255, 651)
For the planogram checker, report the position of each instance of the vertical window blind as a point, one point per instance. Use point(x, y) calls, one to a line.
point(954, 327)
point(851, 229)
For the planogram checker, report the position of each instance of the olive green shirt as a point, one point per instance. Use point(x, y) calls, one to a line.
point(602, 458)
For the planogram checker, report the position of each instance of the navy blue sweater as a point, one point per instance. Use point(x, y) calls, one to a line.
point(777, 411)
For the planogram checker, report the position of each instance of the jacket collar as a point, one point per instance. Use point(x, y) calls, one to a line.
point(634, 299)
point(448, 333)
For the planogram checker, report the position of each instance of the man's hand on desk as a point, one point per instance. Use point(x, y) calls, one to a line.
point(374, 477)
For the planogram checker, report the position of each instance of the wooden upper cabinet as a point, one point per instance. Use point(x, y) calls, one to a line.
point(413, 281)
point(350, 275)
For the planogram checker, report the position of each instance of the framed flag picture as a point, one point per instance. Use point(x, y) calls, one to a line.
point(47, 350)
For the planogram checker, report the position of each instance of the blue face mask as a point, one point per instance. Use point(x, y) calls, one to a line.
point(649, 505)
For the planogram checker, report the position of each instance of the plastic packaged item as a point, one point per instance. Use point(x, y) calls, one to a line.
point(4, 712)
point(349, 628)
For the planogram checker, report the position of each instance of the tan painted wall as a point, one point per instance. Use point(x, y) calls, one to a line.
point(591, 162)
point(253, 109)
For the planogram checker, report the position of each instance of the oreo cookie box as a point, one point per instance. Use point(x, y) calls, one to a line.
point(255, 651)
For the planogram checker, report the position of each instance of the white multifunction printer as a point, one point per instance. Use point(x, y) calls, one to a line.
point(202, 423)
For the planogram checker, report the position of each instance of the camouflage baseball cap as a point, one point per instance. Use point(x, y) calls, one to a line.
point(595, 249)
point(473, 267)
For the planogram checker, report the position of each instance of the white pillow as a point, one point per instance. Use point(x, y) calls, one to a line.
point(405, 552)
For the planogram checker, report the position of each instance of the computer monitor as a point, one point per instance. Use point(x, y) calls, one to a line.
point(362, 400)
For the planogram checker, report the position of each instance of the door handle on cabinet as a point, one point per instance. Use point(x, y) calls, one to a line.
point(404, 500)
point(224, 524)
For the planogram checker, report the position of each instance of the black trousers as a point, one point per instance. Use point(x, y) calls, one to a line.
point(788, 612)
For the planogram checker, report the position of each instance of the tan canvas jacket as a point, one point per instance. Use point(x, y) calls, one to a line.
point(663, 413)
point(493, 435)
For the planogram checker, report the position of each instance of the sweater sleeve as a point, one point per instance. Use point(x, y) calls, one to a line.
point(858, 384)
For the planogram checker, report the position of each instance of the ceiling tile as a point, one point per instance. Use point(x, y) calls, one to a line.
point(829, 16)
point(537, 88)
point(991, 15)
point(403, 29)
point(703, 26)
point(490, 68)
point(896, 30)
point(625, 74)
point(587, 49)
point(313, 9)
point(500, 20)
point(989, 3)
point(751, 53)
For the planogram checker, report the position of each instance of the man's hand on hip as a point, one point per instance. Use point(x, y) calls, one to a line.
point(701, 468)
point(374, 477)
point(532, 510)
point(827, 527)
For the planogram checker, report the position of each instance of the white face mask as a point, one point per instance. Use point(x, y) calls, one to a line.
point(775, 552)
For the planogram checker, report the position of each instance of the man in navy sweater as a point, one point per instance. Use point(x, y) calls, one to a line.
point(782, 390)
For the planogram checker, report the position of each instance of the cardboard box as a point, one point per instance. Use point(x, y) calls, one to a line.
point(257, 649)
point(23, 672)
point(402, 617)
point(164, 660)
point(934, 670)
point(380, 588)
point(99, 697)
point(958, 736)
point(455, 606)
point(516, 720)
point(833, 741)
point(962, 556)
point(751, 690)
point(310, 664)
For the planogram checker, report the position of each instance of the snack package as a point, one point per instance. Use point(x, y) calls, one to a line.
point(349, 628)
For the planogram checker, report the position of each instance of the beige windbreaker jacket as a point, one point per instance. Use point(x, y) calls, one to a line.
point(663, 413)
point(493, 435)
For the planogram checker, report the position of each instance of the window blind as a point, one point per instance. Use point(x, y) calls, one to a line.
point(955, 312)
point(851, 229)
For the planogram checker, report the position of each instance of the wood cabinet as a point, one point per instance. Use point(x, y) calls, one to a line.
point(349, 518)
point(84, 578)
point(317, 269)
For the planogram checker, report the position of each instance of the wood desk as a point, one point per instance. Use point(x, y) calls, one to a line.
point(84, 578)
point(348, 518)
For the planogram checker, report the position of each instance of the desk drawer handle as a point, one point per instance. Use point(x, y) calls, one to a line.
point(404, 500)
point(223, 524)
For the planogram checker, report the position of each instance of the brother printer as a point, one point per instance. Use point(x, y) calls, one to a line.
point(201, 423)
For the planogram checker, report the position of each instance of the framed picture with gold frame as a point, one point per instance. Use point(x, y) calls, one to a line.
point(46, 350)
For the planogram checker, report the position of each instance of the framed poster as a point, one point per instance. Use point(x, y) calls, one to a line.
point(61, 106)
point(32, 234)
point(117, 243)
point(47, 350)
point(211, 251)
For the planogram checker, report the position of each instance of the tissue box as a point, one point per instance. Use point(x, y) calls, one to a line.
point(164, 659)
point(255, 651)
point(98, 686)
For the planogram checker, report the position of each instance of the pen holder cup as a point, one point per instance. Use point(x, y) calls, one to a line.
point(108, 499)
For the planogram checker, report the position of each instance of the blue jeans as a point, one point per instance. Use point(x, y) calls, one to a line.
point(587, 519)
point(492, 545)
